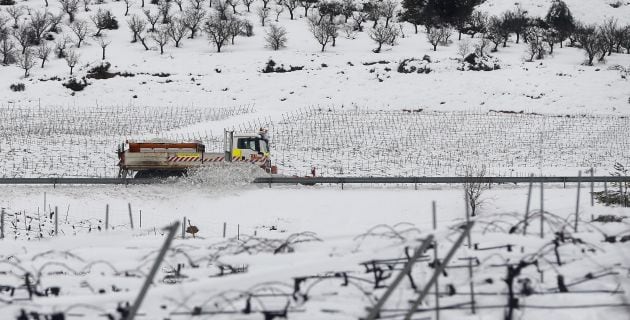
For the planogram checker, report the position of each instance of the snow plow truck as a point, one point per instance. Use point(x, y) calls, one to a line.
point(163, 158)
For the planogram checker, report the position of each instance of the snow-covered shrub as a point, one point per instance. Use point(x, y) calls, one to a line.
point(270, 67)
point(414, 65)
point(100, 71)
point(76, 85)
point(17, 87)
point(473, 62)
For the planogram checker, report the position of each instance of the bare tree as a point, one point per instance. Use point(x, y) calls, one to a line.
point(80, 28)
point(103, 42)
point(276, 37)
point(72, 59)
point(3, 21)
point(263, 14)
point(152, 18)
point(265, 3)
point(278, 10)
point(164, 7)
point(359, 18)
point(161, 37)
point(388, 10)
point(43, 52)
point(7, 49)
point(374, 9)
point(435, 35)
point(60, 46)
point(474, 188)
point(15, 12)
point(23, 37)
point(70, 7)
point(40, 21)
point(291, 5)
point(177, 30)
point(180, 4)
point(101, 19)
point(382, 34)
point(464, 48)
point(496, 32)
point(218, 31)
point(221, 7)
point(193, 18)
point(590, 40)
point(608, 31)
point(26, 61)
point(307, 4)
point(536, 47)
point(236, 27)
point(196, 4)
point(233, 4)
point(128, 5)
point(323, 30)
point(248, 4)
point(137, 25)
point(86, 5)
point(55, 21)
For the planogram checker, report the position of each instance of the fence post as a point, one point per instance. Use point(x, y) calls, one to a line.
point(2, 224)
point(224, 227)
point(529, 198)
point(438, 269)
point(605, 189)
point(184, 228)
point(374, 311)
point(470, 273)
point(56, 222)
point(542, 209)
point(130, 215)
point(45, 210)
point(140, 220)
point(107, 216)
point(172, 229)
point(238, 232)
point(435, 259)
point(577, 202)
point(592, 187)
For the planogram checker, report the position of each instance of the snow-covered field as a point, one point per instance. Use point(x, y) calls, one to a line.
point(317, 252)
point(320, 234)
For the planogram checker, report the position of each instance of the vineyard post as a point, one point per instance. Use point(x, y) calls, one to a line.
point(375, 310)
point(2, 224)
point(592, 187)
point(107, 216)
point(621, 195)
point(140, 219)
point(238, 232)
point(184, 228)
point(44, 201)
point(224, 228)
point(435, 259)
point(605, 189)
point(529, 197)
point(172, 229)
point(470, 271)
point(56, 222)
point(542, 209)
point(577, 202)
point(438, 270)
point(130, 215)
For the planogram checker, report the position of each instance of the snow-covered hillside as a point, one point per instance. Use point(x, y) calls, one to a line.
point(343, 75)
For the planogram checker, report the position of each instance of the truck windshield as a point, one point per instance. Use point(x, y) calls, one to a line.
point(248, 143)
point(263, 146)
